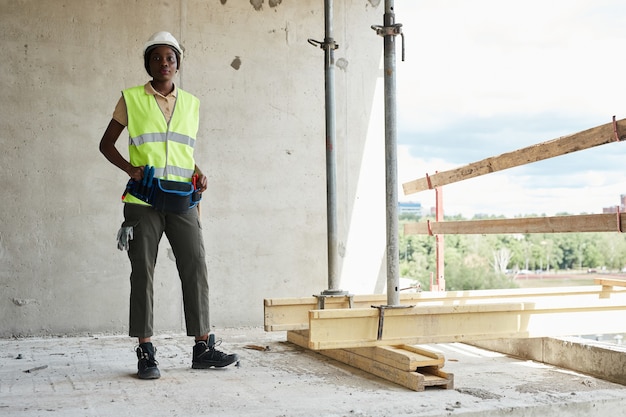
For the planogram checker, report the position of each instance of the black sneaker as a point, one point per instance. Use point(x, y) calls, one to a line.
point(147, 365)
point(206, 356)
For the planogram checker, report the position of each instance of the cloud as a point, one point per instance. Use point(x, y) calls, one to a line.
point(511, 195)
point(487, 77)
point(467, 139)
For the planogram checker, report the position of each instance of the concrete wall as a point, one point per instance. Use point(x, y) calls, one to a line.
point(261, 142)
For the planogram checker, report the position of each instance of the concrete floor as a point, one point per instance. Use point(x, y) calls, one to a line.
point(95, 376)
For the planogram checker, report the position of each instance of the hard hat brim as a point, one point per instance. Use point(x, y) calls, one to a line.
point(151, 45)
point(162, 38)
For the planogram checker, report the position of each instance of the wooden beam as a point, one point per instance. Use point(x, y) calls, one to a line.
point(283, 314)
point(559, 224)
point(404, 357)
point(589, 138)
point(608, 285)
point(414, 380)
point(465, 321)
point(610, 282)
point(396, 364)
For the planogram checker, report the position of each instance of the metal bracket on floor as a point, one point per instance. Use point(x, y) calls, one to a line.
point(321, 298)
point(381, 317)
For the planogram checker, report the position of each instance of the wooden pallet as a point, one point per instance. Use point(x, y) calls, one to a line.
point(410, 366)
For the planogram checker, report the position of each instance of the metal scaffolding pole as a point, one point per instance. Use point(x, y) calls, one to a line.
point(329, 47)
point(389, 31)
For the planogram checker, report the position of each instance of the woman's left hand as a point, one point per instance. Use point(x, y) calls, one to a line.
point(203, 182)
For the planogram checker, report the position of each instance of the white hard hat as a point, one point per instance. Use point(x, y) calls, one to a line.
point(163, 38)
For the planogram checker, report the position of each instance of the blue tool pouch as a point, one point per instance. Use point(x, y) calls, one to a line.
point(165, 195)
point(173, 196)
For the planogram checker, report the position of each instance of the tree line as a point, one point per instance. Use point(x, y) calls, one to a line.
point(492, 261)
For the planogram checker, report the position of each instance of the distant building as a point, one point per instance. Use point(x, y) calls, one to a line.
point(409, 207)
point(614, 209)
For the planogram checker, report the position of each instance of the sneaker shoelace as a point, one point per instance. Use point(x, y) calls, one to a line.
point(146, 355)
point(219, 353)
point(210, 350)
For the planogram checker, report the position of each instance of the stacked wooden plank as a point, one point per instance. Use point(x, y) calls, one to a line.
point(385, 345)
point(413, 367)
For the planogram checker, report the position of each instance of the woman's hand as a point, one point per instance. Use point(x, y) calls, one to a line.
point(135, 173)
point(203, 182)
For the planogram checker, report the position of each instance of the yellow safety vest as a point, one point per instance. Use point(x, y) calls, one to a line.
point(168, 147)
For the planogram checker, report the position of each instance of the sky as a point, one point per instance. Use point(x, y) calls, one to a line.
point(486, 77)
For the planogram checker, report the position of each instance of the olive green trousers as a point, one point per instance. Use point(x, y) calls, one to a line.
point(184, 234)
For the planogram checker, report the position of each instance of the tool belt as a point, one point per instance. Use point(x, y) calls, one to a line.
point(164, 195)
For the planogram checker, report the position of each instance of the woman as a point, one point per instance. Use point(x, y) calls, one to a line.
point(162, 121)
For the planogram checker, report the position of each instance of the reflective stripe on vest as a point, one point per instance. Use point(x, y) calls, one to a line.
point(152, 141)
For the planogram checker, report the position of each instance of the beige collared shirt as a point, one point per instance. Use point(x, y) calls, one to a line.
point(166, 104)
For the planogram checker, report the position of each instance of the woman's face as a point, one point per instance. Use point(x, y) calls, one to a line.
point(163, 63)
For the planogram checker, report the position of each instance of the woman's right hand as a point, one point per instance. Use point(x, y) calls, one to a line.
point(136, 173)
